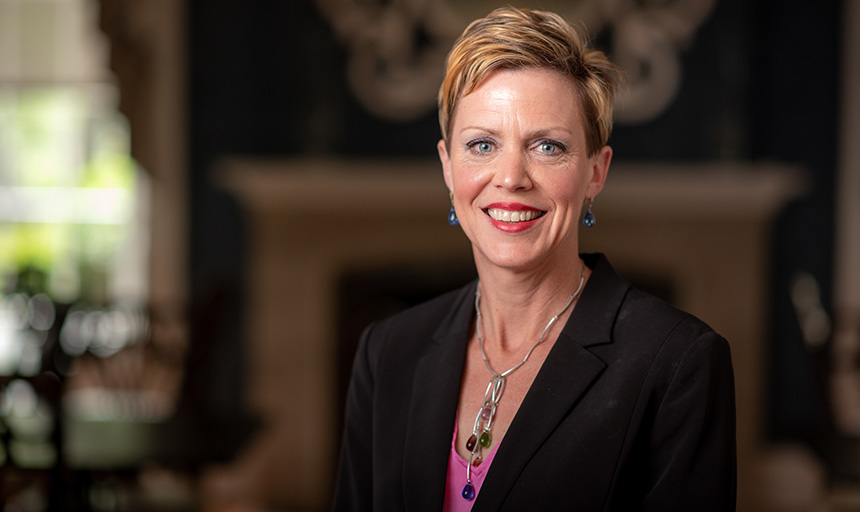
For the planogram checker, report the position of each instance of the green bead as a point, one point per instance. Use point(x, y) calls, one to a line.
point(485, 439)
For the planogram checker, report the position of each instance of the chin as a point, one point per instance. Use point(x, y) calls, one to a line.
point(514, 261)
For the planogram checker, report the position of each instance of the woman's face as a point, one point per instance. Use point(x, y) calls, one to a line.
point(519, 169)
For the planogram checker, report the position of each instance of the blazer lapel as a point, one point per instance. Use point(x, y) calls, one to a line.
point(556, 389)
point(433, 408)
point(566, 375)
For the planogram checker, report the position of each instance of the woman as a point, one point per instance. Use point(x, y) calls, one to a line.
point(549, 382)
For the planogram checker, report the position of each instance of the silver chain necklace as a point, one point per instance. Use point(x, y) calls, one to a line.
point(484, 419)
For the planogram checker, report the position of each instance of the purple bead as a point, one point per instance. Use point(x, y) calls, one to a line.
point(470, 444)
point(469, 492)
point(487, 413)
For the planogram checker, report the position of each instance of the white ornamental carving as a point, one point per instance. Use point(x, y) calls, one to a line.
point(397, 48)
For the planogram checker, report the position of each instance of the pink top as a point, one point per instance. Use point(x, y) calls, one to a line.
point(454, 501)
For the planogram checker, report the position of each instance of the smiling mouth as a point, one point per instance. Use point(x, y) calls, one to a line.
point(512, 217)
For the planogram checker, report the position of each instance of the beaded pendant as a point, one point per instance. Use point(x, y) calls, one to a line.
point(484, 418)
point(481, 437)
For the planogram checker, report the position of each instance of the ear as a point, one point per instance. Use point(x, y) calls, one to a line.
point(446, 164)
point(599, 169)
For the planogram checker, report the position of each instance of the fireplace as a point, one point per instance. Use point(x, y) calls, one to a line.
point(334, 243)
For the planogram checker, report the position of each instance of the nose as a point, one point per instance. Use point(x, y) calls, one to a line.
point(512, 172)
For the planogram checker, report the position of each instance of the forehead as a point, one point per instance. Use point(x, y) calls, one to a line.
point(533, 95)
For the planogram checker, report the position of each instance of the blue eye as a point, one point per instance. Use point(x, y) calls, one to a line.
point(480, 146)
point(550, 147)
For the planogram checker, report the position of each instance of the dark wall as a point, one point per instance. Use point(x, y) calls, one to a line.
point(795, 119)
point(267, 79)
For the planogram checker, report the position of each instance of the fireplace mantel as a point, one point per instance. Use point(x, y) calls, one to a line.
point(704, 228)
point(737, 190)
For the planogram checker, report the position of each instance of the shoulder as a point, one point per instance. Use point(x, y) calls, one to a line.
point(609, 303)
point(649, 316)
point(633, 323)
point(428, 317)
point(674, 348)
point(416, 327)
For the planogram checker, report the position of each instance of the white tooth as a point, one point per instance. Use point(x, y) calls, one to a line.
point(509, 216)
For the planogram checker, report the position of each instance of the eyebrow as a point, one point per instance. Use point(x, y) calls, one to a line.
point(480, 129)
point(533, 134)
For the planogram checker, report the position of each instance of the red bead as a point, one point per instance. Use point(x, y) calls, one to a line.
point(470, 444)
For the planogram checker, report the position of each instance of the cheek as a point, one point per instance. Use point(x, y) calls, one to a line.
point(555, 176)
point(575, 181)
point(468, 181)
point(566, 192)
point(575, 188)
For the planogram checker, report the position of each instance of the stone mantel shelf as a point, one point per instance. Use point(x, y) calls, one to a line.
point(741, 190)
point(335, 186)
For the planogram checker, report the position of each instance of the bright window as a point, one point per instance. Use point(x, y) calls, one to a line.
point(73, 219)
point(67, 194)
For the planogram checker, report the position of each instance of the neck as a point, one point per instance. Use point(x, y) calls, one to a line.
point(516, 307)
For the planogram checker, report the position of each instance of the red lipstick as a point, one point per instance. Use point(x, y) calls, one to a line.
point(518, 225)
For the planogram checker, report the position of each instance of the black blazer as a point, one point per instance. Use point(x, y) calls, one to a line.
point(633, 409)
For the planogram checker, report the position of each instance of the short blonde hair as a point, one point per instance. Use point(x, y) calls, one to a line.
point(520, 38)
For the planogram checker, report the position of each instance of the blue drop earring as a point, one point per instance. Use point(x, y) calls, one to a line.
point(588, 220)
point(452, 213)
point(452, 217)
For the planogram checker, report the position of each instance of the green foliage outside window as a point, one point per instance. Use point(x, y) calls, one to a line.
point(58, 146)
